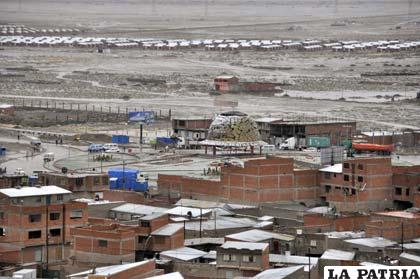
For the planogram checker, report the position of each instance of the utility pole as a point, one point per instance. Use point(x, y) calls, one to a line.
point(309, 260)
point(402, 235)
point(201, 218)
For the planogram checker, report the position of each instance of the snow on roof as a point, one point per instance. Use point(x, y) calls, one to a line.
point(168, 230)
point(412, 246)
point(182, 211)
point(333, 254)
point(224, 77)
point(94, 202)
point(33, 191)
point(139, 209)
point(172, 275)
point(289, 259)
point(337, 168)
point(267, 119)
point(277, 273)
point(110, 270)
point(239, 245)
point(373, 242)
point(211, 255)
point(183, 254)
point(259, 235)
point(204, 240)
point(410, 257)
point(153, 216)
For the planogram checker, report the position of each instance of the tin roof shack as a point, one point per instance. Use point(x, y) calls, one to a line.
point(192, 129)
point(79, 183)
point(293, 272)
point(394, 225)
point(333, 257)
point(406, 181)
point(370, 249)
point(242, 259)
point(278, 243)
point(143, 269)
point(336, 130)
point(34, 219)
point(225, 84)
point(359, 184)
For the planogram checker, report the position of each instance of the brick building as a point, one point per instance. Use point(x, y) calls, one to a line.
point(114, 243)
point(260, 180)
point(76, 182)
point(12, 180)
point(358, 184)
point(34, 218)
point(394, 225)
point(242, 259)
point(226, 84)
point(192, 130)
point(406, 183)
point(346, 221)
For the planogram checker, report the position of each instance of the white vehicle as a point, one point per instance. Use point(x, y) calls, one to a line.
point(19, 171)
point(290, 143)
point(111, 148)
point(49, 157)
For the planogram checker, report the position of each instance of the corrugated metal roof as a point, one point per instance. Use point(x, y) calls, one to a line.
point(110, 270)
point(337, 168)
point(239, 245)
point(333, 254)
point(183, 254)
point(278, 273)
point(168, 230)
point(34, 191)
point(259, 235)
point(139, 209)
point(172, 275)
point(373, 242)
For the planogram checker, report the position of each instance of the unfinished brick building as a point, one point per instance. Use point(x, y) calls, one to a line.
point(394, 225)
point(359, 184)
point(406, 182)
point(34, 218)
point(260, 180)
point(115, 243)
point(76, 182)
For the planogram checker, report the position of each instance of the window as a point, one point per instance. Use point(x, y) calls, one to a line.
point(335, 175)
point(398, 191)
point(96, 180)
point(360, 179)
point(2, 231)
point(327, 188)
point(34, 234)
point(407, 191)
point(360, 166)
point(76, 214)
point(1, 215)
point(353, 191)
point(145, 224)
point(59, 197)
point(55, 232)
point(346, 177)
point(79, 181)
point(33, 218)
point(346, 165)
point(102, 243)
point(313, 243)
point(54, 216)
point(181, 123)
point(327, 175)
point(105, 180)
point(248, 259)
point(229, 257)
point(355, 249)
point(38, 199)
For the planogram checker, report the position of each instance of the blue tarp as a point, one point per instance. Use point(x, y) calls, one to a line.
point(126, 179)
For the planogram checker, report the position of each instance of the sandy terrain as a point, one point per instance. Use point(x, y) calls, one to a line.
point(181, 80)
